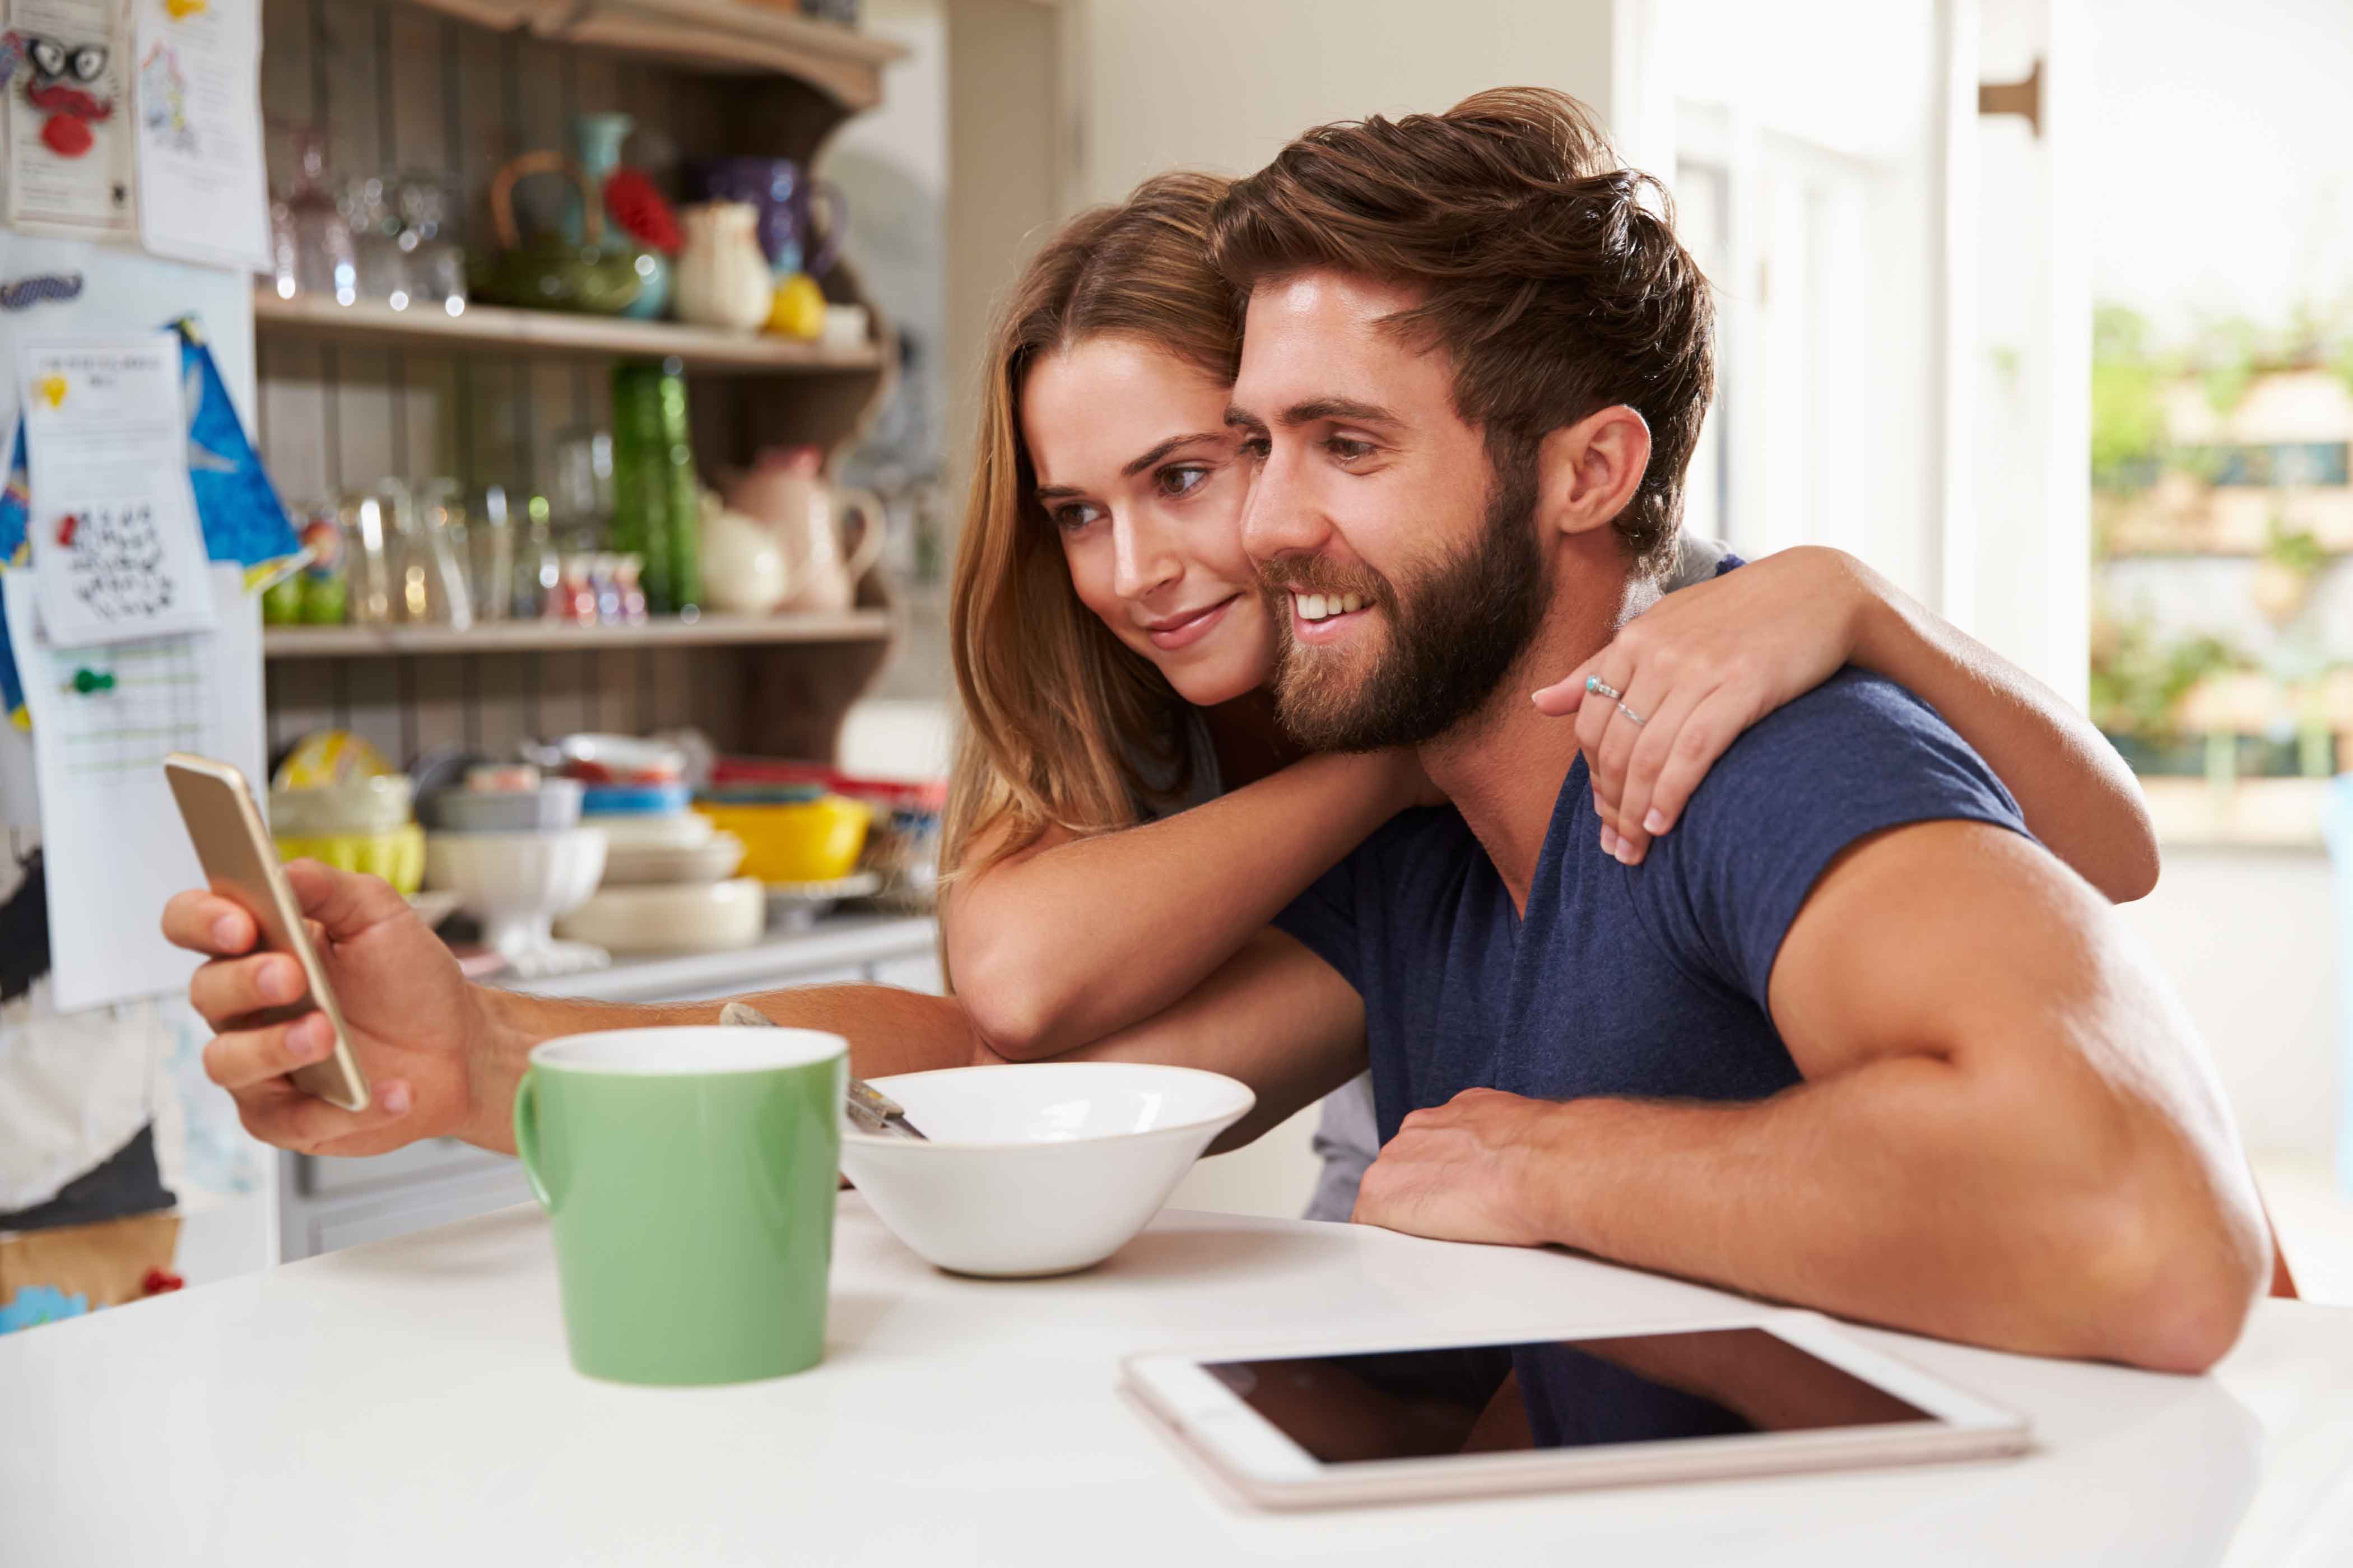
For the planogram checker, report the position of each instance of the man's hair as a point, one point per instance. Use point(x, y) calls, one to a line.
point(1551, 286)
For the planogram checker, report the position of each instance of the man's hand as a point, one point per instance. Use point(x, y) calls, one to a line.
point(1455, 1173)
point(419, 1029)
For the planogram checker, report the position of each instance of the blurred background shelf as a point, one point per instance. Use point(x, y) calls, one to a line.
point(551, 334)
point(705, 631)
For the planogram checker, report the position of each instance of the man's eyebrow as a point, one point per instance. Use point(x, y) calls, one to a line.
point(1337, 409)
point(1240, 419)
point(1138, 464)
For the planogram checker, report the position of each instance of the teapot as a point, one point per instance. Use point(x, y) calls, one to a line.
point(550, 272)
point(787, 492)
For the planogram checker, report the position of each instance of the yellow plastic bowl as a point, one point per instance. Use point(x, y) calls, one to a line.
point(398, 856)
point(807, 841)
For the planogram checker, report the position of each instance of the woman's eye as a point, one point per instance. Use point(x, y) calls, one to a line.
point(1347, 449)
point(1182, 478)
point(1254, 449)
point(1072, 516)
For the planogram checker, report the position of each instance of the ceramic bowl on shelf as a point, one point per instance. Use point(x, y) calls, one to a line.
point(682, 830)
point(666, 798)
point(641, 866)
point(798, 841)
point(398, 856)
point(550, 806)
point(516, 884)
point(1041, 1167)
point(615, 759)
point(708, 917)
point(381, 804)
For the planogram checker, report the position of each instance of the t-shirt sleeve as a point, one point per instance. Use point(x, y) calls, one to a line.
point(1856, 755)
point(1325, 920)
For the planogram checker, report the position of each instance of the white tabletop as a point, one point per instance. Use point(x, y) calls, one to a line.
point(410, 1403)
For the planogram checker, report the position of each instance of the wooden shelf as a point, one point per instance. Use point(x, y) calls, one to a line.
point(535, 637)
point(723, 37)
point(553, 332)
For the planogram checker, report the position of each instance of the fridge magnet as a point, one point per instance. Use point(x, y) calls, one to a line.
point(69, 153)
point(48, 289)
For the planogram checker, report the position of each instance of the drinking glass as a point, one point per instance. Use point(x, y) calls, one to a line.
point(321, 258)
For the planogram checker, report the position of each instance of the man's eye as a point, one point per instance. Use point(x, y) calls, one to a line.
point(1182, 478)
point(1072, 516)
point(1256, 447)
point(1347, 450)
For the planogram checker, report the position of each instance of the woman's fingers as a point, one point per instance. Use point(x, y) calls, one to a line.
point(1714, 725)
point(1648, 696)
point(1661, 740)
point(206, 923)
point(1565, 697)
point(239, 1059)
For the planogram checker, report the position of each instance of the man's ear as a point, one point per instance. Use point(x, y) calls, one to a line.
point(1588, 472)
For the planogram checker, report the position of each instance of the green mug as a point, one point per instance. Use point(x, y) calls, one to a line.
point(690, 1177)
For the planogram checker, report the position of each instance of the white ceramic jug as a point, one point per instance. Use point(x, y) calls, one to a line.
point(786, 492)
point(722, 279)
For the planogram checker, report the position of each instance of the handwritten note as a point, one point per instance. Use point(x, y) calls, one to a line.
point(103, 720)
point(112, 518)
point(203, 194)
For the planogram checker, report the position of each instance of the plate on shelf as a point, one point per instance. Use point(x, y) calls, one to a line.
point(796, 906)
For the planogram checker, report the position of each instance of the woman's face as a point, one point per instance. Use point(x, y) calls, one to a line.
point(1140, 476)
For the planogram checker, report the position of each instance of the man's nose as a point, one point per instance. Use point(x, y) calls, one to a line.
point(1143, 557)
point(1280, 518)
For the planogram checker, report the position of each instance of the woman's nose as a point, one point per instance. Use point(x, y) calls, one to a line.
point(1142, 558)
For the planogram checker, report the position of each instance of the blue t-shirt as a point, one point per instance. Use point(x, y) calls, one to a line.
point(1645, 980)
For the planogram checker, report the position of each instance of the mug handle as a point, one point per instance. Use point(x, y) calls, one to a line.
point(526, 1132)
point(837, 226)
point(872, 520)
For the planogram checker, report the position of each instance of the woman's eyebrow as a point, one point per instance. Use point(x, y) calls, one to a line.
point(1170, 444)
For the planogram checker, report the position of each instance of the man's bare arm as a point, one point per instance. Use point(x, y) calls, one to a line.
point(2008, 1133)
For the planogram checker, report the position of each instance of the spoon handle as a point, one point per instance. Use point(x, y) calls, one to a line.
point(873, 1110)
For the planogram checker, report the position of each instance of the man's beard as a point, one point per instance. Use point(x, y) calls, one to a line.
point(1450, 644)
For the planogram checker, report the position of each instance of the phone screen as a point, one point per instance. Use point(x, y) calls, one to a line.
point(1560, 1394)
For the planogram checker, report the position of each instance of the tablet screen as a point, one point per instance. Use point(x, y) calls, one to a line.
point(1563, 1393)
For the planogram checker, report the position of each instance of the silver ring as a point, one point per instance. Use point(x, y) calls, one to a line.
point(1601, 688)
point(1631, 717)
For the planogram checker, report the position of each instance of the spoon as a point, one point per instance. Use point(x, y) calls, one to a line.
point(869, 1106)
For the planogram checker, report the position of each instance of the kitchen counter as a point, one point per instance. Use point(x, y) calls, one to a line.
point(410, 1401)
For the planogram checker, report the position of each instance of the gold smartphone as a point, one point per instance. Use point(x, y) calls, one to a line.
point(241, 864)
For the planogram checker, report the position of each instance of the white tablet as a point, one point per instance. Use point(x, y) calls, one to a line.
point(1321, 1425)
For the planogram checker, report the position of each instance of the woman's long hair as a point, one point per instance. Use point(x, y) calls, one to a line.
point(1058, 712)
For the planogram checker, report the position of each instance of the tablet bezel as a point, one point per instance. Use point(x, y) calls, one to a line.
point(1258, 1461)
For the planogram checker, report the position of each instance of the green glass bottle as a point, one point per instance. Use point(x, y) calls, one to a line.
point(683, 494)
point(641, 481)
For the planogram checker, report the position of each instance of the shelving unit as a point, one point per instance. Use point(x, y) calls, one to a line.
point(517, 636)
point(350, 395)
point(551, 334)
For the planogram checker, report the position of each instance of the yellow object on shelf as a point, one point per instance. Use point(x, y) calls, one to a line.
point(796, 310)
point(802, 841)
point(398, 856)
point(328, 757)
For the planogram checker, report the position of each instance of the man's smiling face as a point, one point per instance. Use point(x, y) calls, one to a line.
point(1404, 571)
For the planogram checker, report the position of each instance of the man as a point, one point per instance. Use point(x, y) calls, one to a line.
point(1847, 1037)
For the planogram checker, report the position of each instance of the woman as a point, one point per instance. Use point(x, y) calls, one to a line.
point(1126, 814)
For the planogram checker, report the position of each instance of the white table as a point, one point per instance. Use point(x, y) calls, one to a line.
point(410, 1403)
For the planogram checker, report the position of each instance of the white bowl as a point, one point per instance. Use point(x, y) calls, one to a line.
point(641, 866)
point(517, 883)
point(1039, 1168)
point(692, 917)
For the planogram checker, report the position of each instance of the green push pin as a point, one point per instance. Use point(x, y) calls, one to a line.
point(86, 681)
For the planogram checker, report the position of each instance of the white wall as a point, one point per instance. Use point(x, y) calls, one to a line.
point(1223, 84)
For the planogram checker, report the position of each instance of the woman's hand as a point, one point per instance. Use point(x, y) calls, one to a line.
point(1698, 669)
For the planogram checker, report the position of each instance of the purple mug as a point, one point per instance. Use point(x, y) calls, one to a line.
point(784, 194)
